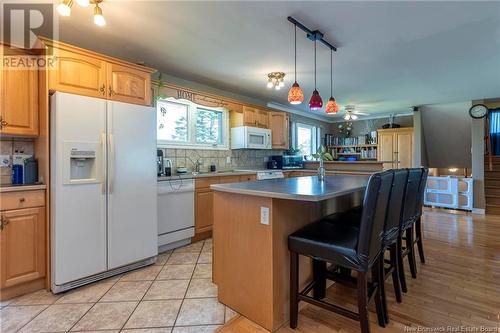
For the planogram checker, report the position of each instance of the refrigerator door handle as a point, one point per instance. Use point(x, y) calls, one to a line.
point(111, 163)
point(103, 162)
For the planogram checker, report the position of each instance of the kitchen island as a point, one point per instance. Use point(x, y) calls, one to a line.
point(252, 222)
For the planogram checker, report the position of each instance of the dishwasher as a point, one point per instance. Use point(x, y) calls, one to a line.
point(175, 213)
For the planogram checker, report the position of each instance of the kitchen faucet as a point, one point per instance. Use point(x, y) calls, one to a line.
point(197, 165)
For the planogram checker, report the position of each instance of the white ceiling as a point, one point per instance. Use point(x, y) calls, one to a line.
point(391, 55)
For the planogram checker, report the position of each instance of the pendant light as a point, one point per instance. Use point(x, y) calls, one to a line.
point(64, 8)
point(331, 106)
point(295, 95)
point(315, 103)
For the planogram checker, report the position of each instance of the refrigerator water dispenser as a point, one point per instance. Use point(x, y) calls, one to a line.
point(81, 159)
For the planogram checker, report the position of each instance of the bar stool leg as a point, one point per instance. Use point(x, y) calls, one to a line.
point(401, 267)
point(294, 289)
point(319, 277)
point(380, 303)
point(411, 252)
point(395, 277)
point(420, 245)
point(362, 286)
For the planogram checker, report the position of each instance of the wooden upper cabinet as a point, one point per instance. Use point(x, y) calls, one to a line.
point(250, 116)
point(87, 73)
point(22, 246)
point(262, 118)
point(79, 74)
point(396, 145)
point(278, 123)
point(128, 85)
point(19, 101)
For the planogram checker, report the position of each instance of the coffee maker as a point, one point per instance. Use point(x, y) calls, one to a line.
point(159, 161)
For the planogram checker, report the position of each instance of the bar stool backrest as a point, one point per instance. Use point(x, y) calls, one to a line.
point(395, 208)
point(421, 191)
point(372, 223)
point(411, 198)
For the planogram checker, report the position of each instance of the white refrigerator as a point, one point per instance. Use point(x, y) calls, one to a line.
point(104, 189)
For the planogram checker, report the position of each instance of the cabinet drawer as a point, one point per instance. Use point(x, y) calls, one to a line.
point(248, 178)
point(22, 199)
point(229, 179)
point(206, 182)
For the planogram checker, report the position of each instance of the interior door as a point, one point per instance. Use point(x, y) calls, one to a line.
point(78, 212)
point(132, 184)
point(404, 148)
point(386, 149)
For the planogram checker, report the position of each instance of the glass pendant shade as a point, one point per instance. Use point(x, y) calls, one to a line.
point(64, 8)
point(315, 103)
point(98, 17)
point(295, 95)
point(332, 106)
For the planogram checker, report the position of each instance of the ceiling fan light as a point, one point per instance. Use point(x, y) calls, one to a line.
point(83, 3)
point(347, 117)
point(354, 117)
point(332, 106)
point(64, 8)
point(98, 17)
point(277, 86)
point(295, 95)
point(315, 103)
point(270, 83)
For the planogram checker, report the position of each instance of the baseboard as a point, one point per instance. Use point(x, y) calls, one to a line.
point(479, 211)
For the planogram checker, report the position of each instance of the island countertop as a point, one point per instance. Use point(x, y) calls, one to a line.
point(301, 188)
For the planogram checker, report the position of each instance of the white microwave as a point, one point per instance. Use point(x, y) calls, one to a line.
point(246, 137)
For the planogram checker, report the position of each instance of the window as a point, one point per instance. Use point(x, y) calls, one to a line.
point(183, 124)
point(305, 138)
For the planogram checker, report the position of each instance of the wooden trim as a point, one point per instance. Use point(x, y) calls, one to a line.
point(76, 49)
point(201, 236)
point(22, 289)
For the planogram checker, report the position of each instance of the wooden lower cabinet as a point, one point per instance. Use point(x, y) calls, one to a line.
point(204, 202)
point(22, 243)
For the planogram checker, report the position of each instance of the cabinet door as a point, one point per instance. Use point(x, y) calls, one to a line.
point(386, 149)
point(404, 149)
point(249, 116)
point(204, 214)
point(22, 244)
point(128, 85)
point(262, 119)
point(19, 101)
point(78, 74)
point(278, 123)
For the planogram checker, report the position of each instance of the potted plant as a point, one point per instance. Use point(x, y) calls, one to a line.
point(322, 155)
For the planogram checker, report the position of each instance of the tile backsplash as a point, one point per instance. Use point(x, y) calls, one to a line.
point(9, 148)
point(246, 158)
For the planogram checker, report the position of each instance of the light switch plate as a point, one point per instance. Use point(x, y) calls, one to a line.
point(264, 215)
point(228, 160)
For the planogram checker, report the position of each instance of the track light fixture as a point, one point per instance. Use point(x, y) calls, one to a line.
point(64, 9)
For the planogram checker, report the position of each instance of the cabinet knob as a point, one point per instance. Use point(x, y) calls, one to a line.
point(3, 123)
point(3, 223)
point(21, 200)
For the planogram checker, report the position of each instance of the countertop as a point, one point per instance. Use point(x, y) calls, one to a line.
point(15, 188)
point(299, 188)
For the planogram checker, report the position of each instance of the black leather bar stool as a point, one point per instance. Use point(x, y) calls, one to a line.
point(343, 245)
point(410, 207)
point(418, 219)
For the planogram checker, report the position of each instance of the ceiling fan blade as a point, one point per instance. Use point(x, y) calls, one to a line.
point(361, 113)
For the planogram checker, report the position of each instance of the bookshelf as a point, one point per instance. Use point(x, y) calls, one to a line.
point(352, 147)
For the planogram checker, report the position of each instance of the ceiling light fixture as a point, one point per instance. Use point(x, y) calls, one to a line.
point(276, 80)
point(295, 95)
point(331, 106)
point(315, 103)
point(64, 9)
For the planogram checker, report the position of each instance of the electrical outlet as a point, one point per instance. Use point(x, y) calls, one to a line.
point(264, 215)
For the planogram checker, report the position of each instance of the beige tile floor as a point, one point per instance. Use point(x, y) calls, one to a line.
point(175, 295)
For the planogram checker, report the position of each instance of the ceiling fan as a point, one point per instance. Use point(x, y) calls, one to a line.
point(351, 114)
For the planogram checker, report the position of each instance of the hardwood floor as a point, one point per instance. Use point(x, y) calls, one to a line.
point(459, 285)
